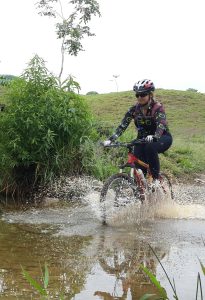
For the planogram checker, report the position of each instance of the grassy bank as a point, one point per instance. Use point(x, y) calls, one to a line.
point(186, 117)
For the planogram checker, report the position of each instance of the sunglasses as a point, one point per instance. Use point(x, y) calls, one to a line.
point(142, 95)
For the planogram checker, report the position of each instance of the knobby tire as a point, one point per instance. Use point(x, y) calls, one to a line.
point(115, 185)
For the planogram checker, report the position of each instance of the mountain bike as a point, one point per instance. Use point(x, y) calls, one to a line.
point(130, 185)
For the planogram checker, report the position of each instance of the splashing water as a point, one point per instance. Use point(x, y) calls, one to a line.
point(93, 200)
point(156, 206)
point(181, 211)
point(189, 202)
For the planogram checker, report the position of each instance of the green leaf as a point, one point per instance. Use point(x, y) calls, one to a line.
point(155, 282)
point(34, 283)
point(46, 277)
point(62, 297)
point(147, 296)
point(202, 266)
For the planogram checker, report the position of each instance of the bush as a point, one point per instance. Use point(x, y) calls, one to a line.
point(42, 129)
point(5, 80)
point(192, 90)
point(92, 93)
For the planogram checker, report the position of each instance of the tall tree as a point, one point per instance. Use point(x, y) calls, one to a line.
point(73, 28)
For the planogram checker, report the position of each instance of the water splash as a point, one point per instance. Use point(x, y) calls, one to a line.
point(130, 214)
point(189, 201)
point(156, 206)
point(93, 201)
point(181, 211)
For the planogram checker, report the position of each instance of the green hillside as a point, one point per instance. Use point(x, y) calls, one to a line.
point(185, 110)
point(186, 118)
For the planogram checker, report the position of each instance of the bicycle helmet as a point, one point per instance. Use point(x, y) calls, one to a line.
point(143, 86)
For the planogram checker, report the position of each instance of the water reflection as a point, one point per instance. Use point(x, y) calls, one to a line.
point(104, 265)
point(119, 258)
point(68, 267)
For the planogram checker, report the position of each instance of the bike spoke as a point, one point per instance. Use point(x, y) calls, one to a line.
point(119, 192)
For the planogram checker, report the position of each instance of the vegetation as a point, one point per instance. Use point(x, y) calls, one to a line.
point(6, 79)
point(162, 294)
point(47, 131)
point(42, 130)
point(70, 29)
point(186, 117)
point(92, 93)
point(192, 90)
point(41, 288)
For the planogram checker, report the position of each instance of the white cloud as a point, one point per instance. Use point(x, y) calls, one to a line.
point(161, 40)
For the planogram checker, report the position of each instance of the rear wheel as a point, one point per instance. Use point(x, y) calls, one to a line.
point(118, 191)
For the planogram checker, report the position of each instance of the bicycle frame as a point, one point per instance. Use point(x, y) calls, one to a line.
point(134, 171)
point(132, 160)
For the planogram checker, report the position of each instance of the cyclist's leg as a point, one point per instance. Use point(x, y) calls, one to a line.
point(139, 152)
point(152, 150)
point(164, 143)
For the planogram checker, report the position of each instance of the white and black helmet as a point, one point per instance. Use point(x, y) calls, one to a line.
point(143, 86)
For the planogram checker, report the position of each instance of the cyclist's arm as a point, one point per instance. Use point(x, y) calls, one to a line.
point(161, 122)
point(124, 124)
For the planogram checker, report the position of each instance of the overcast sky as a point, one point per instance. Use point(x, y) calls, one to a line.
point(162, 40)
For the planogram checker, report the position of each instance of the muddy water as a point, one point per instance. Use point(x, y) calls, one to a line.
point(89, 261)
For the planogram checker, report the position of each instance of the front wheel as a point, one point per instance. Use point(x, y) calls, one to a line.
point(118, 191)
point(166, 186)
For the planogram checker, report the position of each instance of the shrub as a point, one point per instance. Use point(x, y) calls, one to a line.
point(92, 93)
point(192, 90)
point(5, 80)
point(42, 129)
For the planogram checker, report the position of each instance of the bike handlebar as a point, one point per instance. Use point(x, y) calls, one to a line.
point(125, 144)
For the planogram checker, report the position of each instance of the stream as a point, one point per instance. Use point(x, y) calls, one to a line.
point(89, 261)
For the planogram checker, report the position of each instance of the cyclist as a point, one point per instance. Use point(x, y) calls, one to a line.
point(150, 121)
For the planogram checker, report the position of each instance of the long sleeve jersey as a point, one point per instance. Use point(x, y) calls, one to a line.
point(153, 123)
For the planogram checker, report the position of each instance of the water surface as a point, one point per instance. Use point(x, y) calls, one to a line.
point(89, 261)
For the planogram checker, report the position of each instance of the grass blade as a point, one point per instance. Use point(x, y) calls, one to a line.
point(197, 287)
point(34, 283)
point(202, 266)
point(46, 277)
point(155, 282)
point(172, 286)
point(147, 296)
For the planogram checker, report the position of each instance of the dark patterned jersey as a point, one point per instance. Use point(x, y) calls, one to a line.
point(153, 123)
